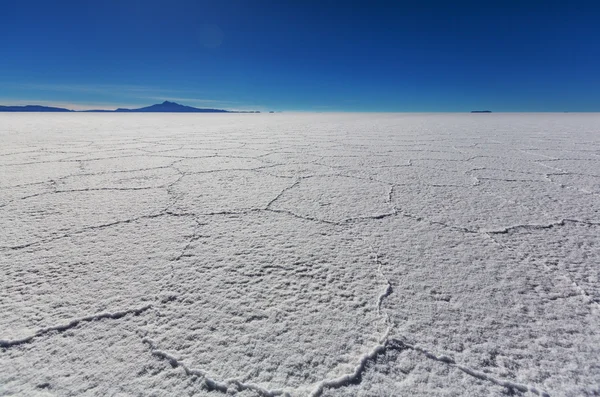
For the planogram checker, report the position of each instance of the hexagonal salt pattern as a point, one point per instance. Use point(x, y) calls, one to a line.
point(299, 255)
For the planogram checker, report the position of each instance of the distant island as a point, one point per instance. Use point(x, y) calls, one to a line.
point(165, 107)
point(481, 111)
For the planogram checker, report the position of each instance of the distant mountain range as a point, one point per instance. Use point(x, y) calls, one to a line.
point(165, 107)
point(32, 108)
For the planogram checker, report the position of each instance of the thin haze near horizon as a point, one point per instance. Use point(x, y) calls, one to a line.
point(304, 55)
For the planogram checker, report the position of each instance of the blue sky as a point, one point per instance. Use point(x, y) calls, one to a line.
point(303, 55)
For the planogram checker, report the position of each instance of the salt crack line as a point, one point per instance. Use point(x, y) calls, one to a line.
point(307, 218)
point(4, 343)
point(500, 382)
point(384, 343)
point(388, 289)
point(355, 376)
point(398, 344)
point(293, 185)
point(557, 272)
point(562, 222)
point(227, 386)
point(368, 218)
point(88, 228)
point(97, 189)
point(234, 385)
point(505, 230)
point(395, 344)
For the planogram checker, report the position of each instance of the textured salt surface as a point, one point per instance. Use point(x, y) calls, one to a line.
point(300, 255)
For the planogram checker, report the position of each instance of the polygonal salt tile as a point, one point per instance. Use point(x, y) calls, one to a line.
point(336, 198)
point(585, 167)
point(144, 179)
point(38, 156)
point(413, 175)
point(109, 269)
point(217, 163)
point(505, 175)
point(349, 162)
point(494, 205)
point(126, 163)
point(221, 191)
point(568, 252)
point(444, 165)
point(585, 154)
point(410, 373)
point(584, 183)
point(54, 215)
point(26, 174)
point(289, 157)
point(300, 170)
point(96, 358)
point(514, 164)
point(273, 300)
point(9, 194)
point(492, 307)
point(108, 154)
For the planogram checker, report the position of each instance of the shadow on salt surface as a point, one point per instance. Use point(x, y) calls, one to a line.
point(272, 299)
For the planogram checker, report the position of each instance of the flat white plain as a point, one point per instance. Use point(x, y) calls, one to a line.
point(300, 254)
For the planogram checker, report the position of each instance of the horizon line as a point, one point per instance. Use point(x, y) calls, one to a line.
point(76, 108)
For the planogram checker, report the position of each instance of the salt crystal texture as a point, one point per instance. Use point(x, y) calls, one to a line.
point(299, 254)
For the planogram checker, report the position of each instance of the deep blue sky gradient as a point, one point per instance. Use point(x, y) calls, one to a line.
point(303, 55)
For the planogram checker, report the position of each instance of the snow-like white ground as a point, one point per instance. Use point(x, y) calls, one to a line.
point(300, 254)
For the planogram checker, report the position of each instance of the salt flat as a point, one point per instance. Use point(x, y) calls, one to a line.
point(300, 254)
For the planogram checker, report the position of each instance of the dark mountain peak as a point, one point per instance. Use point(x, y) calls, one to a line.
point(172, 107)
